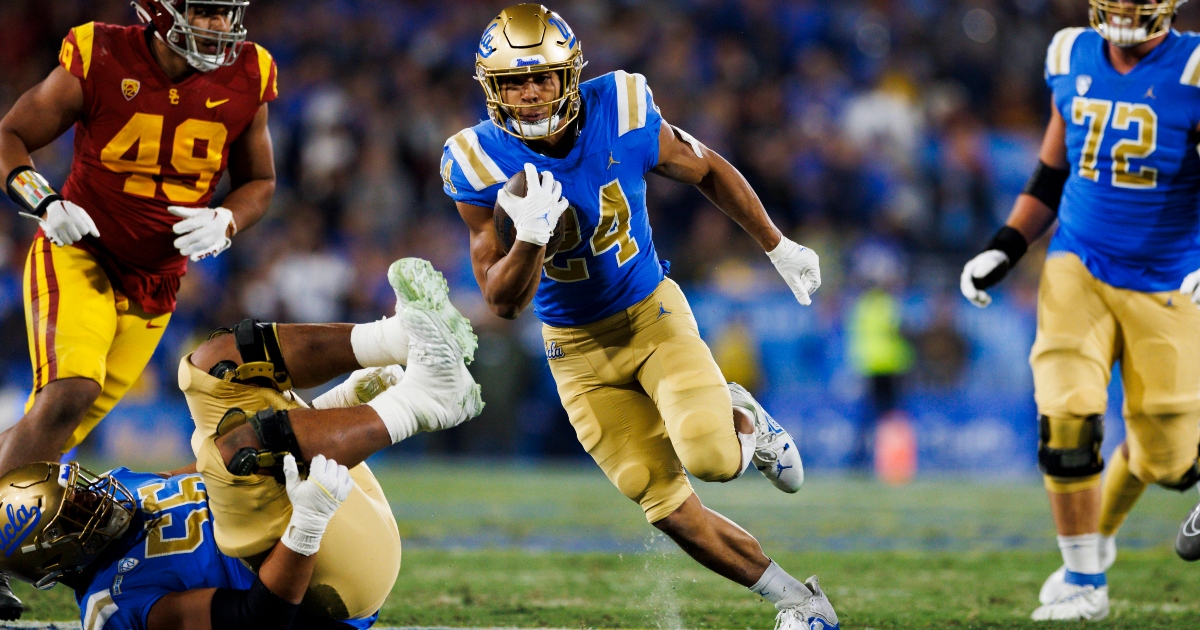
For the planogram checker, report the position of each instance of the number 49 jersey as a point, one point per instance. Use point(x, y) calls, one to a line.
point(169, 548)
point(1131, 206)
point(607, 261)
point(144, 143)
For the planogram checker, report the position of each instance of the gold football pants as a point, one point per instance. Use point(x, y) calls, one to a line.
point(360, 552)
point(80, 327)
point(1084, 326)
point(647, 400)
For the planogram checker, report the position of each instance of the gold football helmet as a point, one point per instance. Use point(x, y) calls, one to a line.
point(1128, 23)
point(529, 39)
point(55, 519)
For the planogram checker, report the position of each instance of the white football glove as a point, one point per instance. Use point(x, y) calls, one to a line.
point(1191, 286)
point(536, 214)
point(202, 231)
point(314, 501)
point(362, 386)
point(65, 223)
point(980, 267)
point(800, 268)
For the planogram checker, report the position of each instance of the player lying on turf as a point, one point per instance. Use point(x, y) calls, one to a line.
point(248, 421)
point(1119, 172)
point(138, 550)
point(160, 111)
point(641, 388)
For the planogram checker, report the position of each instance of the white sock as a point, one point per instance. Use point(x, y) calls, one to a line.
point(781, 589)
point(397, 415)
point(1108, 551)
point(381, 343)
point(747, 440)
point(1081, 554)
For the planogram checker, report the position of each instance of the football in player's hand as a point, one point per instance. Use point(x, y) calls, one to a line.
point(505, 229)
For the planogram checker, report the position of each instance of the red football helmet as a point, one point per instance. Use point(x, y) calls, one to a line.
point(204, 49)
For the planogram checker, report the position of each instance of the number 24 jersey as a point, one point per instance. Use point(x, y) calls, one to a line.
point(607, 260)
point(1131, 206)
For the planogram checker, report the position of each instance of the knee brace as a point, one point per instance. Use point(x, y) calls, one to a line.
point(1187, 480)
point(1084, 460)
point(274, 431)
point(258, 345)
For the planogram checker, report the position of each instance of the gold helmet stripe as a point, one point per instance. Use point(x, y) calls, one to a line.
point(100, 607)
point(475, 163)
point(631, 101)
point(1191, 72)
point(1058, 57)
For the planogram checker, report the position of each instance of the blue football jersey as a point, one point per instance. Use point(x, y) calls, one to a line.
point(169, 548)
point(1131, 206)
point(607, 261)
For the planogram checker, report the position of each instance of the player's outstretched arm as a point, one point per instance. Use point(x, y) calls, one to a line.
point(508, 282)
point(684, 159)
point(1033, 213)
point(274, 600)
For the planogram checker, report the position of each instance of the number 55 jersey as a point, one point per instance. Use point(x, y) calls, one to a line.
point(1131, 207)
point(144, 143)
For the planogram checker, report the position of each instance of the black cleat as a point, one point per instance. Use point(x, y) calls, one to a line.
point(1187, 542)
point(10, 607)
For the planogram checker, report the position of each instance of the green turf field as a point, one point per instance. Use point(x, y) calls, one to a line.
point(559, 547)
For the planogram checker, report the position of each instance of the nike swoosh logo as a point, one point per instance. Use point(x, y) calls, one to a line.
point(152, 326)
point(209, 103)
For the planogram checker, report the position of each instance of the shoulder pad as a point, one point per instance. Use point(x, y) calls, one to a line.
point(1191, 71)
point(268, 75)
point(75, 56)
point(479, 168)
point(631, 101)
point(1058, 56)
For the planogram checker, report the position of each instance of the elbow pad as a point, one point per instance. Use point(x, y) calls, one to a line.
point(255, 609)
point(1046, 184)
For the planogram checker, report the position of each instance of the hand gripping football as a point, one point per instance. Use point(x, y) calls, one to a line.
point(505, 229)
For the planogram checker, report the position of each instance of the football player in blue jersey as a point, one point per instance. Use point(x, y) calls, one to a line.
point(1119, 172)
point(138, 550)
point(189, 531)
point(641, 388)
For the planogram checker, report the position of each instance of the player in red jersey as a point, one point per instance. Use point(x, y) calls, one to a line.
point(161, 110)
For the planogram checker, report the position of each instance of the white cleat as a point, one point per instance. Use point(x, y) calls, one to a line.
point(1075, 603)
point(775, 453)
point(437, 385)
point(417, 283)
point(1057, 580)
point(816, 613)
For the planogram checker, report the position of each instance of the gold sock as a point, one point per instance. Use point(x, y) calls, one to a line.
point(1120, 492)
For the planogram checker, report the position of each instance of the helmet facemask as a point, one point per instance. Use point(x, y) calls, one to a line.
point(1129, 23)
point(562, 110)
point(186, 40)
point(85, 512)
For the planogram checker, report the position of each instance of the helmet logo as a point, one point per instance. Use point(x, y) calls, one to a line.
point(130, 87)
point(522, 62)
point(1083, 83)
point(21, 522)
point(568, 36)
point(485, 43)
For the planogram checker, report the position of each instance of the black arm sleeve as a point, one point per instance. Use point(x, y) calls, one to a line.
point(255, 609)
point(1046, 184)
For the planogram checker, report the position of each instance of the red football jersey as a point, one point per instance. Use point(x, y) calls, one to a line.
point(145, 143)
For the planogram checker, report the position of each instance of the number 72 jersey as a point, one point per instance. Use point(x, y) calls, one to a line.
point(1131, 206)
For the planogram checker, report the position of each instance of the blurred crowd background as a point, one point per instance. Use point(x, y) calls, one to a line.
point(891, 136)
